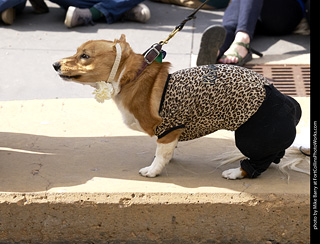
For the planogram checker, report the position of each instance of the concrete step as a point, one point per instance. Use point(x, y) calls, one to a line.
point(69, 174)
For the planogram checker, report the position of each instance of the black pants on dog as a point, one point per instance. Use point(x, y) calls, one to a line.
point(269, 132)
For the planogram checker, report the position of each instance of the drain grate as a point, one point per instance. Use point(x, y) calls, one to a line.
point(293, 80)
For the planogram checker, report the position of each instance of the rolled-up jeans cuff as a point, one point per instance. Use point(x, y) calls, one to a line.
point(247, 167)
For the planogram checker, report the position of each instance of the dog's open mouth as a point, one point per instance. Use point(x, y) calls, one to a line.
point(68, 77)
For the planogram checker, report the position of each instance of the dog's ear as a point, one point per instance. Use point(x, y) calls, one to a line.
point(126, 50)
point(122, 39)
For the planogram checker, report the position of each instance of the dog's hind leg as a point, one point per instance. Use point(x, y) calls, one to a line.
point(233, 174)
point(163, 156)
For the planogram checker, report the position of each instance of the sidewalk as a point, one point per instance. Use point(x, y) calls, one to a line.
point(30, 46)
point(69, 174)
point(69, 166)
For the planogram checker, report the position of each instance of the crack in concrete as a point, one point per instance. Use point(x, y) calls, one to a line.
point(246, 187)
point(37, 172)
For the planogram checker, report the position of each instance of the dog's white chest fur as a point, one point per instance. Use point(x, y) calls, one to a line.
point(128, 118)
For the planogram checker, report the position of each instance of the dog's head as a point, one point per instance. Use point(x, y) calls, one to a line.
point(92, 62)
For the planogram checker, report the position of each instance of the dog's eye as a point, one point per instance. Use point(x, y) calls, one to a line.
point(84, 56)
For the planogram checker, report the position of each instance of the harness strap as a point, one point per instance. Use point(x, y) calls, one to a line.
point(152, 53)
point(149, 56)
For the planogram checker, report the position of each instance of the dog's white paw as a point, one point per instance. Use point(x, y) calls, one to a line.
point(233, 174)
point(149, 172)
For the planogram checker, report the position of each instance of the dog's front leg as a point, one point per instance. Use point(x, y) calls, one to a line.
point(163, 156)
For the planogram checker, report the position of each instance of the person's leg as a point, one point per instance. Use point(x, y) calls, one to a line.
point(230, 22)
point(79, 12)
point(280, 17)
point(237, 48)
point(76, 3)
point(113, 10)
point(8, 9)
point(307, 6)
point(39, 6)
point(5, 4)
point(248, 16)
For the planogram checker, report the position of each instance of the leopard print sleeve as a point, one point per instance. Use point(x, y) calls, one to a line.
point(208, 98)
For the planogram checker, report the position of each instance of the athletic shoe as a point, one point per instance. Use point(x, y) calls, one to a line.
point(77, 16)
point(8, 16)
point(139, 13)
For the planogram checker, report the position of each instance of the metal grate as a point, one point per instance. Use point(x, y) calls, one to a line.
point(293, 80)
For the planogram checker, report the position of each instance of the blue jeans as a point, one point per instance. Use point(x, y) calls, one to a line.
point(17, 4)
point(111, 9)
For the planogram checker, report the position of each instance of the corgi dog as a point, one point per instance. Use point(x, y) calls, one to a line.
point(188, 104)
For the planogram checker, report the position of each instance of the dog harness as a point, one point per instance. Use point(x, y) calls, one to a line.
point(204, 99)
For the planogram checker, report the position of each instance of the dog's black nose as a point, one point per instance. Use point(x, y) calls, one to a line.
point(56, 66)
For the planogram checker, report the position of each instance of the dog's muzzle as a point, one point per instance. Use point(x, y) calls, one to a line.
point(57, 67)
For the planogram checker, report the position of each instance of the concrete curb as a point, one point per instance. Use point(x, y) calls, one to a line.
point(154, 218)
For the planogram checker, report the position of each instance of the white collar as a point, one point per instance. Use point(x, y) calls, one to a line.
point(115, 64)
point(107, 89)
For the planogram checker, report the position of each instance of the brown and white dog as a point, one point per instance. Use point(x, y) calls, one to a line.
point(138, 101)
point(138, 94)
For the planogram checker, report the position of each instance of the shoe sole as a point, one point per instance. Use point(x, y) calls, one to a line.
point(211, 41)
point(69, 15)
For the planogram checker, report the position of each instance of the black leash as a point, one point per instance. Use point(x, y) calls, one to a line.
point(181, 25)
point(153, 52)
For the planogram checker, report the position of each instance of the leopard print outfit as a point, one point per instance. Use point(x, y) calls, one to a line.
point(204, 99)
